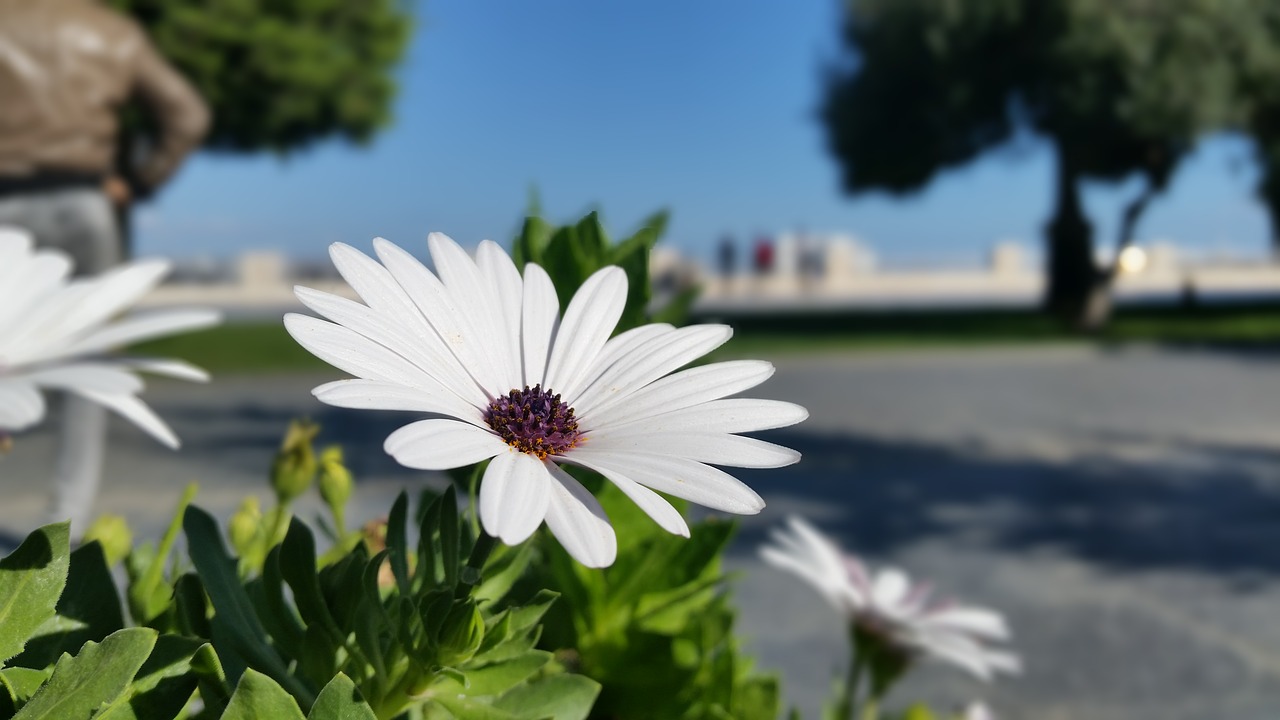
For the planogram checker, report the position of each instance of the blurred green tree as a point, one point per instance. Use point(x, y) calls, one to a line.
point(279, 75)
point(1117, 87)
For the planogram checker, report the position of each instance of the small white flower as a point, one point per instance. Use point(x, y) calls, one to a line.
point(887, 605)
point(518, 383)
point(55, 332)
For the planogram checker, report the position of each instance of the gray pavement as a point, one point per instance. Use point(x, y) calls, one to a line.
point(1122, 507)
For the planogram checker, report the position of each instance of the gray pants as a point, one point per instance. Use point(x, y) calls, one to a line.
point(81, 223)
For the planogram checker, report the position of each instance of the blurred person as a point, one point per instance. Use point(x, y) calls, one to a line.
point(728, 254)
point(67, 70)
point(763, 255)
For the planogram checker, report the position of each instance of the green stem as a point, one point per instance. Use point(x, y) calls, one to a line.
point(845, 700)
point(480, 552)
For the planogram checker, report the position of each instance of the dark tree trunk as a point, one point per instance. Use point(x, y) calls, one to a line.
point(1073, 276)
point(1098, 308)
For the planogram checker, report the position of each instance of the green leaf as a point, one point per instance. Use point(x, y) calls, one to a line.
point(467, 708)
point(149, 595)
point(397, 542)
point(89, 609)
point(19, 685)
point(504, 567)
point(497, 678)
point(284, 625)
point(162, 686)
point(449, 550)
point(236, 629)
point(532, 241)
point(31, 580)
point(258, 697)
point(565, 263)
point(191, 606)
point(562, 697)
point(340, 700)
point(99, 675)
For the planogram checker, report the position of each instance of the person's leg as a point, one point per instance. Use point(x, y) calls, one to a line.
point(80, 223)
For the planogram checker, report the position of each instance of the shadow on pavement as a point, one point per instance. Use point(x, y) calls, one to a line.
point(1210, 508)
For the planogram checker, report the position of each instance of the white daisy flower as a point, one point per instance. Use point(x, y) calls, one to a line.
point(56, 331)
point(888, 606)
point(519, 384)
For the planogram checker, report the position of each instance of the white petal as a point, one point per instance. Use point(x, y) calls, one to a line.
point(676, 476)
point(507, 290)
point(374, 395)
point(171, 368)
point(441, 444)
point(686, 388)
point(21, 404)
point(95, 377)
point(588, 322)
point(619, 347)
point(540, 317)
point(514, 496)
point(103, 296)
point(417, 344)
point(731, 415)
point(713, 448)
point(352, 352)
point(975, 621)
point(651, 361)
point(579, 523)
point(472, 293)
point(143, 327)
point(470, 345)
point(136, 411)
point(653, 504)
point(803, 568)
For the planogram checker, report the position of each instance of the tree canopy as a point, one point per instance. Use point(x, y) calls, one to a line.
point(1118, 87)
point(283, 74)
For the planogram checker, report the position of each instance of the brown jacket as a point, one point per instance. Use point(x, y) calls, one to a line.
point(66, 69)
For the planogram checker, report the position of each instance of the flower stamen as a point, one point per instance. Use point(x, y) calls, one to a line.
point(534, 421)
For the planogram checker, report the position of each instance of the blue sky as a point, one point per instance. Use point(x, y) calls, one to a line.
point(705, 107)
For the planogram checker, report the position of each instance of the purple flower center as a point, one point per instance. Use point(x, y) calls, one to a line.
point(534, 421)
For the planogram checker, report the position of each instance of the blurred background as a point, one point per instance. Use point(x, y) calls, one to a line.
point(1016, 256)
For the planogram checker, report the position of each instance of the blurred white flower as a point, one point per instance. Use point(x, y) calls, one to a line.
point(978, 711)
point(519, 384)
point(888, 606)
point(56, 333)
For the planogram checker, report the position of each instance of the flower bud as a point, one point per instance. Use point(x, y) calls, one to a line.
point(244, 525)
point(335, 479)
point(295, 465)
point(461, 633)
point(112, 532)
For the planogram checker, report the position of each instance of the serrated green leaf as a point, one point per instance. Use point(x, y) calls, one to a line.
point(258, 697)
point(670, 611)
point(340, 700)
point(32, 578)
point(162, 686)
point(504, 567)
point(560, 697)
point(89, 609)
point(98, 675)
point(527, 615)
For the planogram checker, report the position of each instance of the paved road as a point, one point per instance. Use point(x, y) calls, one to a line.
point(1123, 507)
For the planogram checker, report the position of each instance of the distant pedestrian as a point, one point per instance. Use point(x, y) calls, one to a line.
point(728, 256)
point(763, 256)
point(67, 69)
